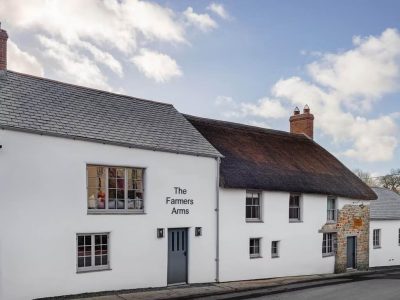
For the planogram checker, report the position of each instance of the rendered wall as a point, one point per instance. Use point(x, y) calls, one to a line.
point(389, 252)
point(44, 205)
point(300, 243)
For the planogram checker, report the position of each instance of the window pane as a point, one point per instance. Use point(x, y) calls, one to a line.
point(97, 260)
point(81, 262)
point(120, 173)
point(96, 187)
point(120, 194)
point(88, 261)
point(104, 260)
point(112, 183)
point(111, 204)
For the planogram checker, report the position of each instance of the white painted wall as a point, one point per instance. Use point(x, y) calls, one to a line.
point(300, 243)
point(43, 205)
point(389, 253)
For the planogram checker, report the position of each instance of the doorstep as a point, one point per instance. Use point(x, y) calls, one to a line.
point(193, 291)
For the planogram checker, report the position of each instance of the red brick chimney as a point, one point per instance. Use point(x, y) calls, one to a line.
point(302, 123)
point(3, 49)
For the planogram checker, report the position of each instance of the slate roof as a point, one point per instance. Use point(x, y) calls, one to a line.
point(44, 106)
point(387, 206)
point(272, 160)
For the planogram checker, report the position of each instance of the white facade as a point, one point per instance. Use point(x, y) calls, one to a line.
point(300, 243)
point(43, 201)
point(388, 252)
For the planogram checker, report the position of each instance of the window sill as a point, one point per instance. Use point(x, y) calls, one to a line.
point(256, 256)
point(328, 254)
point(275, 256)
point(331, 222)
point(95, 270)
point(115, 212)
point(295, 221)
point(377, 247)
point(254, 221)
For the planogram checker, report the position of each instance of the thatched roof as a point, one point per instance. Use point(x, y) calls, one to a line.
point(264, 159)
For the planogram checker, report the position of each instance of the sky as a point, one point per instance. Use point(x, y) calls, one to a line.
point(244, 61)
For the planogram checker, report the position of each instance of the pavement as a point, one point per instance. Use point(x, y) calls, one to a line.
point(321, 287)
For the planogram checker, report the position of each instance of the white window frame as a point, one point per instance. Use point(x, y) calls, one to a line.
point(275, 249)
point(255, 254)
point(331, 213)
point(93, 267)
point(299, 208)
point(329, 244)
point(259, 206)
point(376, 238)
point(125, 210)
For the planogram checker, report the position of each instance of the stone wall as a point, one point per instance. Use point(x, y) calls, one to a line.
point(353, 220)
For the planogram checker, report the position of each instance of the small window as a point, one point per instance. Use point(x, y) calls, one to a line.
point(328, 244)
point(376, 238)
point(93, 252)
point(275, 249)
point(294, 208)
point(331, 210)
point(399, 236)
point(114, 189)
point(255, 248)
point(253, 206)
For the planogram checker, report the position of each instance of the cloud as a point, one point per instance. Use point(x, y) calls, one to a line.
point(344, 87)
point(265, 108)
point(21, 61)
point(95, 32)
point(72, 66)
point(202, 21)
point(363, 74)
point(157, 66)
point(119, 24)
point(219, 10)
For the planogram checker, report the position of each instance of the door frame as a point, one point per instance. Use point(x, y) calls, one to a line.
point(355, 251)
point(187, 254)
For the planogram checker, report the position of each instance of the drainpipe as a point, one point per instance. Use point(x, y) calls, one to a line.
point(217, 213)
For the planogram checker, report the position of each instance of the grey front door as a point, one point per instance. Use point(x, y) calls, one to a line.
point(177, 255)
point(351, 252)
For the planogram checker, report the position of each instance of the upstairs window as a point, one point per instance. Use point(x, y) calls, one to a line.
point(275, 249)
point(114, 189)
point(331, 211)
point(253, 206)
point(254, 247)
point(376, 238)
point(294, 208)
point(328, 244)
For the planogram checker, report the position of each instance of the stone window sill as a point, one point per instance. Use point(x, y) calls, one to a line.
point(377, 247)
point(328, 254)
point(255, 256)
point(295, 221)
point(254, 221)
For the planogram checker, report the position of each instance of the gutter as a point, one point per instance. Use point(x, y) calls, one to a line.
point(217, 225)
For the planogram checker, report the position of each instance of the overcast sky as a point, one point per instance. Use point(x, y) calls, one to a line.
point(243, 61)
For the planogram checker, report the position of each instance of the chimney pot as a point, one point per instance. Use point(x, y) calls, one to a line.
point(3, 49)
point(302, 123)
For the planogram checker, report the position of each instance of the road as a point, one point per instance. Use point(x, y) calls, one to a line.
point(384, 286)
